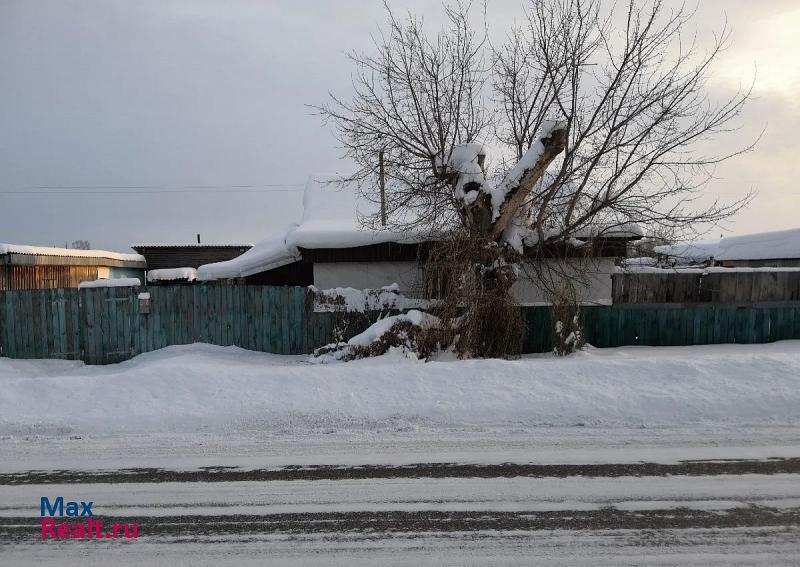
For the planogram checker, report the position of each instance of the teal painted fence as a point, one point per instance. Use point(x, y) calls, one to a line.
point(671, 325)
point(106, 325)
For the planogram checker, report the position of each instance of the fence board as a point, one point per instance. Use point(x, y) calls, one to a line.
point(719, 287)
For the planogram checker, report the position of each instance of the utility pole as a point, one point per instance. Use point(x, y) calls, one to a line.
point(382, 181)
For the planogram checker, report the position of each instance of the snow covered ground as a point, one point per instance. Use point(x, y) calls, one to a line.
point(202, 388)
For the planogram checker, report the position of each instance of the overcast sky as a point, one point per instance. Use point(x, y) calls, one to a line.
point(170, 94)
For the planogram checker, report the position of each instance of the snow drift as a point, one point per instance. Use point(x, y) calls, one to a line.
point(206, 388)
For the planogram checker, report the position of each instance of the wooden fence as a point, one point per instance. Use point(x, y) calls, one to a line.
point(102, 326)
point(696, 286)
point(672, 325)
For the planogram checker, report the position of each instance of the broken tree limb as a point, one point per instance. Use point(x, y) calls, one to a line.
point(552, 146)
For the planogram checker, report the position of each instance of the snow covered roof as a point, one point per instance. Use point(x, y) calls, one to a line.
point(68, 252)
point(116, 282)
point(195, 245)
point(777, 245)
point(266, 255)
point(640, 261)
point(172, 274)
point(332, 218)
point(698, 251)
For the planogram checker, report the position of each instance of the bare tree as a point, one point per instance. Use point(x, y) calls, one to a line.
point(416, 97)
point(602, 119)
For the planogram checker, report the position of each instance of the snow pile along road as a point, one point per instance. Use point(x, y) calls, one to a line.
point(202, 387)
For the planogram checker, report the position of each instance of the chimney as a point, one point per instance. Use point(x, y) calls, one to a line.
point(198, 239)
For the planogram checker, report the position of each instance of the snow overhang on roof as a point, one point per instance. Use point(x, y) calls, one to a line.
point(265, 255)
point(332, 218)
point(777, 245)
point(699, 251)
point(67, 255)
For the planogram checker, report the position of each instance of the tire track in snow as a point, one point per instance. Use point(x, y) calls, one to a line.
point(421, 470)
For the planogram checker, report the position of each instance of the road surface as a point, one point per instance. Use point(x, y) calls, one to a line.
point(579, 501)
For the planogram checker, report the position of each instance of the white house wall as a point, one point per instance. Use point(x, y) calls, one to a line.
point(369, 275)
point(595, 286)
point(409, 276)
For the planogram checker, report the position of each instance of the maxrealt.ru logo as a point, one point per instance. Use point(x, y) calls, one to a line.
point(91, 529)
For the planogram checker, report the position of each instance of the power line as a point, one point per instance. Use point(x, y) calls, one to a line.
point(149, 189)
point(256, 185)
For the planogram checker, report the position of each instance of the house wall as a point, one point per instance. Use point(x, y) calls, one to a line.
point(593, 277)
point(596, 273)
point(118, 272)
point(167, 257)
point(13, 277)
point(294, 274)
point(370, 275)
point(44, 277)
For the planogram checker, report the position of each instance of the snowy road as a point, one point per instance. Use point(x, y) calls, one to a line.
point(657, 503)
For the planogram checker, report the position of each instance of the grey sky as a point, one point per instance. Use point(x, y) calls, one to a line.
point(176, 93)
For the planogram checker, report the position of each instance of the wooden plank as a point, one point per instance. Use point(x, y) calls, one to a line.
point(251, 317)
point(111, 342)
point(188, 327)
point(60, 323)
point(224, 313)
point(294, 320)
point(88, 327)
point(205, 312)
point(8, 324)
point(51, 326)
point(20, 333)
point(237, 319)
point(129, 320)
point(74, 327)
point(196, 319)
point(796, 324)
point(155, 330)
point(230, 307)
point(261, 318)
point(49, 323)
point(273, 320)
point(30, 326)
point(284, 321)
point(45, 331)
point(136, 345)
point(15, 328)
point(155, 305)
point(3, 322)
